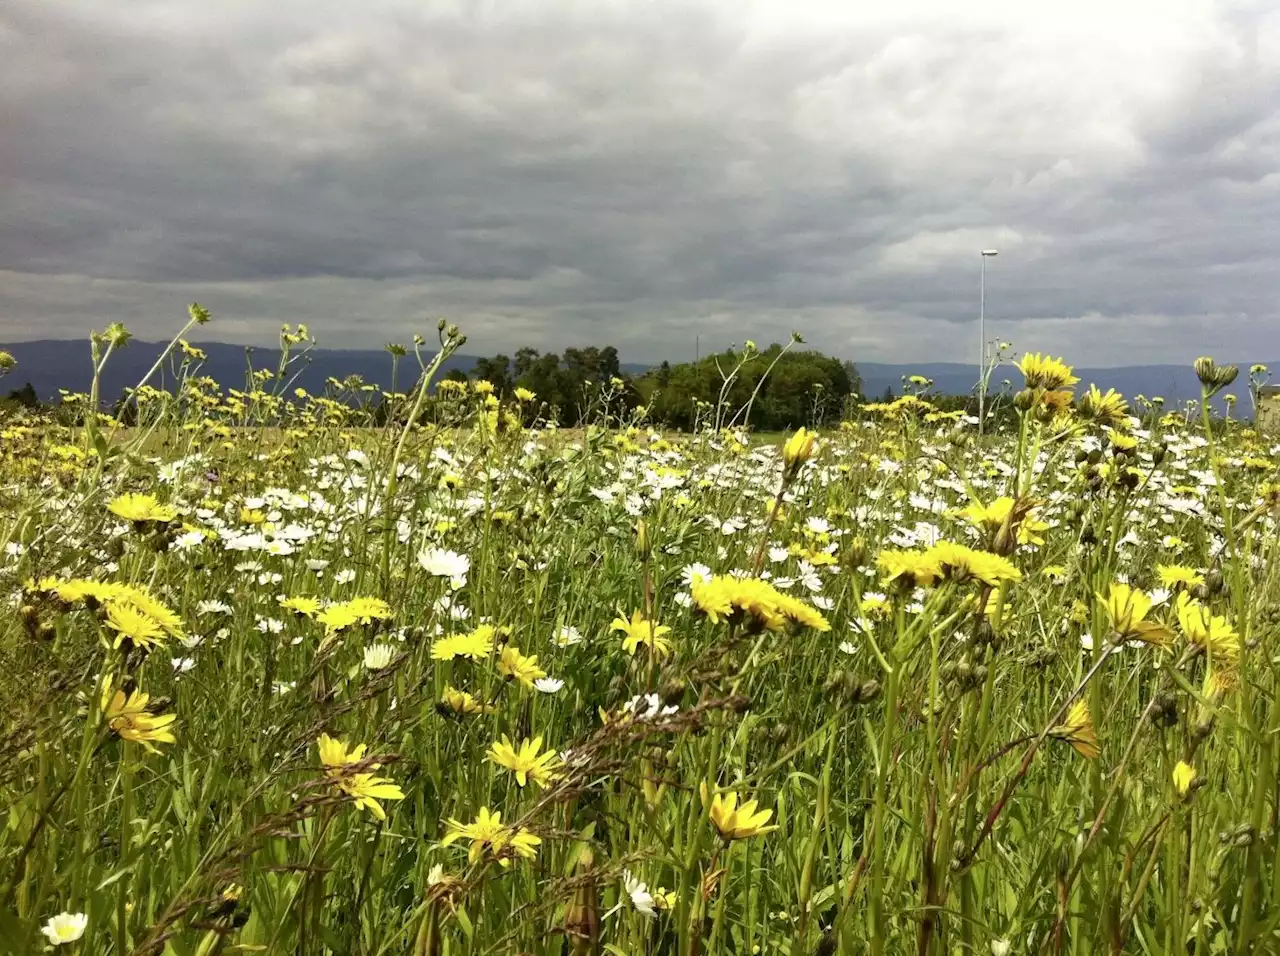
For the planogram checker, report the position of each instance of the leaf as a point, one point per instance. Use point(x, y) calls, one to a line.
point(464, 922)
point(116, 876)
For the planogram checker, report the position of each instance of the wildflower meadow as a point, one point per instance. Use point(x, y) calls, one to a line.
point(281, 676)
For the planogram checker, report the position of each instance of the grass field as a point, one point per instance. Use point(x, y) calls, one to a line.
point(490, 689)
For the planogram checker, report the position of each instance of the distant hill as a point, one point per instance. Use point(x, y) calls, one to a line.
point(1174, 383)
point(50, 365)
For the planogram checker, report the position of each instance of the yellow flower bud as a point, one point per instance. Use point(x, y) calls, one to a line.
point(798, 449)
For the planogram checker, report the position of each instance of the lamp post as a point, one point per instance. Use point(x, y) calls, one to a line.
point(982, 338)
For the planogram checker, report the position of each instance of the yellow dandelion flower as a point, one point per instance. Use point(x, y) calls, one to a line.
point(140, 508)
point(301, 605)
point(527, 762)
point(1127, 609)
point(460, 702)
point(489, 837)
point(756, 602)
point(1213, 633)
point(338, 617)
point(361, 786)
point(640, 630)
point(961, 563)
point(991, 518)
point(513, 665)
point(1120, 441)
point(1042, 371)
point(913, 569)
point(369, 609)
point(734, 822)
point(129, 718)
point(1178, 577)
point(475, 645)
point(1078, 731)
point(131, 624)
point(1105, 409)
point(147, 603)
point(1184, 775)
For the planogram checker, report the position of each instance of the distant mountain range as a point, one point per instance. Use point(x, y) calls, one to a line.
point(1173, 383)
point(50, 365)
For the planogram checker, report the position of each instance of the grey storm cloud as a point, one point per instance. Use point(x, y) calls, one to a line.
point(555, 172)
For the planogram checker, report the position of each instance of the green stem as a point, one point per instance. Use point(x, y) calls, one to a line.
point(884, 760)
point(126, 816)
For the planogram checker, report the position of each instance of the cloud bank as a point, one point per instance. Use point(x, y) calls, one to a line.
point(556, 172)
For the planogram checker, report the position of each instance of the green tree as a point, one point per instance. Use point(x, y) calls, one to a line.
point(496, 371)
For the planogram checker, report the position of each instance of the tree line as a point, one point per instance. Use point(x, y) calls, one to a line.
point(771, 389)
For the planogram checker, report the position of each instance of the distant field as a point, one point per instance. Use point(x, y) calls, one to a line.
point(885, 690)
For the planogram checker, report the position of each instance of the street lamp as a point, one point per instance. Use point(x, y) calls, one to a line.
point(982, 338)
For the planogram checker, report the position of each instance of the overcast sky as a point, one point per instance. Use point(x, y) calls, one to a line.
point(561, 172)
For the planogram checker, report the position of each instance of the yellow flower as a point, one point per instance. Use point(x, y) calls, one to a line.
point(1127, 608)
point(515, 666)
point(131, 624)
point(337, 617)
point(796, 614)
point(1269, 494)
point(1108, 409)
point(1056, 400)
point(757, 602)
point(476, 645)
point(639, 630)
point(1184, 776)
point(1078, 731)
point(361, 786)
point(128, 717)
point(524, 395)
point(874, 606)
point(961, 563)
point(527, 762)
point(301, 605)
point(140, 508)
point(109, 595)
point(368, 609)
point(361, 610)
point(914, 569)
point(460, 702)
point(735, 822)
point(991, 518)
point(1211, 632)
point(798, 449)
point(148, 604)
point(1041, 371)
point(1176, 576)
point(488, 835)
point(1120, 441)
point(819, 559)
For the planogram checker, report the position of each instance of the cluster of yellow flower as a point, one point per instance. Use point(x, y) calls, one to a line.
point(946, 561)
point(753, 602)
point(132, 612)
